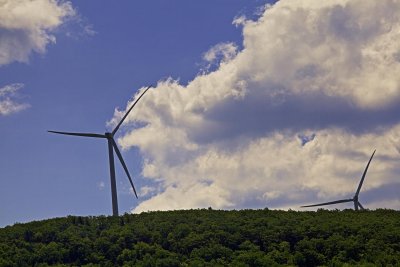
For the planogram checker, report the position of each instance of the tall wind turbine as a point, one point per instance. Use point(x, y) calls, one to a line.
point(112, 146)
point(357, 203)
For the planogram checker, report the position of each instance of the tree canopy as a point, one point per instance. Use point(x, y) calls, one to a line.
point(207, 237)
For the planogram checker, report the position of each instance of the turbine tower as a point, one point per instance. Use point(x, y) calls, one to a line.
point(357, 203)
point(112, 146)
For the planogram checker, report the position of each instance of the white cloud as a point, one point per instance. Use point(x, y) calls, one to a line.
point(235, 137)
point(272, 194)
point(101, 185)
point(8, 102)
point(220, 52)
point(145, 191)
point(26, 26)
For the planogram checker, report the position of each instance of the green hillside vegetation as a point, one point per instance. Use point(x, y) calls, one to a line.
point(208, 238)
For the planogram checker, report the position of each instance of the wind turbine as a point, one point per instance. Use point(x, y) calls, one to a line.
point(112, 146)
point(357, 203)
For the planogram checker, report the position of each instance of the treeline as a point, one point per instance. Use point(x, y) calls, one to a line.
point(208, 238)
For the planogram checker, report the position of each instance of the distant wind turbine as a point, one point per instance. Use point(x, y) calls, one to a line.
point(112, 146)
point(357, 203)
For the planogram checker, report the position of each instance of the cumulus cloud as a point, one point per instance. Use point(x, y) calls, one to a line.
point(26, 26)
point(8, 99)
point(101, 185)
point(290, 119)
point(221, 52)
point(146, 190)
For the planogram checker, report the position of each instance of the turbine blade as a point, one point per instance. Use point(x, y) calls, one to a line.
point(80, 134)
point(124, 165)
point(359, 204)
point(129, 110)
point(328, 203)
point(363, 176)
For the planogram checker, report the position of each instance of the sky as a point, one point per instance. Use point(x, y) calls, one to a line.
point(254, 104)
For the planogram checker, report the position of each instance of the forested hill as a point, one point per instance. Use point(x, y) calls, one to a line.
point(208, 238)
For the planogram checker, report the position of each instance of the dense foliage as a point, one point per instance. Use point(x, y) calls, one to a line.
point(208, 238)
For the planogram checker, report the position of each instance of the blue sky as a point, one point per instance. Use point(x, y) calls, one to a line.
point(239, 86)
point(76, 84)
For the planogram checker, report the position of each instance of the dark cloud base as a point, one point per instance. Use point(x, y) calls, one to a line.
point(388, 192)
point(256, 116)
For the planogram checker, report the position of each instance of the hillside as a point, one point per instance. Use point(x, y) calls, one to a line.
point(208, 238)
